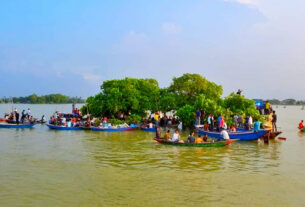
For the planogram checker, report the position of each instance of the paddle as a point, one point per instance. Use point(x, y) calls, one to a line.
point(282, 138)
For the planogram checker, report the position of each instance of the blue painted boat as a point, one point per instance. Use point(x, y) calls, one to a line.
point(148, 129)
point(51, 126)
point(242, 136)
point(16, 126)
point(131, 128)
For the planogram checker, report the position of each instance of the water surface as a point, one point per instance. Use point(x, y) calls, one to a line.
point(41, 167)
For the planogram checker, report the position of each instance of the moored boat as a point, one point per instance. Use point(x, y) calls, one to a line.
point(243, 136)
point(204, 144)
point(16, 126)
point(51, 126)
point(123, 129)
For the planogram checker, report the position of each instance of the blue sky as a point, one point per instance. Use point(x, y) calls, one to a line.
point(71, 46)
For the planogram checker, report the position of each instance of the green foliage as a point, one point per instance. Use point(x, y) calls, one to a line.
point(46, 99)
point(129, 95)
point(97, 122)
point(185, 95)
point(238, 104)
point(133, 119)
point(186, 114)
point(115, 122)
point(167, 101)
point(210, 106)
point(189, 86)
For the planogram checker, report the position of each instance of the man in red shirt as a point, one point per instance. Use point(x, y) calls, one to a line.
point(301, 125)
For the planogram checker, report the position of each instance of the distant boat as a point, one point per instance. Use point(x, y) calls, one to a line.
point(242, 136)
point(16, 126)
point(51, 126)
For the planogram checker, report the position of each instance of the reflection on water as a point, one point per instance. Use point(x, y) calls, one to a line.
point(44, 167)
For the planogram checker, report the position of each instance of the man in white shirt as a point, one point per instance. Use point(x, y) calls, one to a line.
point(250, 122)
point(224, 134)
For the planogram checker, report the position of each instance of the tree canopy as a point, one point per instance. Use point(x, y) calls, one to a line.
point(185, 95)
point(46, 99)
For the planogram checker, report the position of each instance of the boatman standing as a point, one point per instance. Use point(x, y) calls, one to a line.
point(301, 125)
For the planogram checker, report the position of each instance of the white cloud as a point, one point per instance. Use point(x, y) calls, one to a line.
point(248, 2)
point(92, 78)
point(171, 28)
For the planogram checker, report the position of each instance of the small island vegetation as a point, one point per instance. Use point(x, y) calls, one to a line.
point(45, 99)
point(134, 97)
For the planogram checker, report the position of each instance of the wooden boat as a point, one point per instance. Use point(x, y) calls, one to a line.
point(51, 126)
point(205, 144)
point(16, 126)
point(125, 129)
point(243, 136)
point(148, 129)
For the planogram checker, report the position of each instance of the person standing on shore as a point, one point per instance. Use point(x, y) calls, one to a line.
point(198, 115)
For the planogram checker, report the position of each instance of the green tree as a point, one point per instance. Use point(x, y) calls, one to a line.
point(186, 114)
point(238, 104)
point(189, 86)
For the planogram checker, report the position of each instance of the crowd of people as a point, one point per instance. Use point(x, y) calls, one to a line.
point(14, 117)
point(68, 120)
point(240, 121)
point(175, 137)
point(160, 119)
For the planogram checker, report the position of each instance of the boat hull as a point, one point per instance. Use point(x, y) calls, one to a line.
point(269, 135)
point(63, 128)
point(205, 144)
point(242, 136)
point(114, 129)
point(17, 126)
point(149, 129)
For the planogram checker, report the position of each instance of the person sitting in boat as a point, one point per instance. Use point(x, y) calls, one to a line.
point(69, 123)
point(191, 138)
point(176, 136)
point(301, 125)
point(224, 134)
point(167, 135)
point(233, 128)
point(198, 139)
point(205, 138)
point(150, 125)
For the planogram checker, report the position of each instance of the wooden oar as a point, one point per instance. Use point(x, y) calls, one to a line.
point(282, 138)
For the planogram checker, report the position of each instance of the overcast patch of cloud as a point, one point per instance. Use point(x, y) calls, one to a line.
point(171, 28)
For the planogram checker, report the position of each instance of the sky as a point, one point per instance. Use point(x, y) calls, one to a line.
point(72, 46)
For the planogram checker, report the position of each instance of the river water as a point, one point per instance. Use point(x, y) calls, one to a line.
point(41, 167)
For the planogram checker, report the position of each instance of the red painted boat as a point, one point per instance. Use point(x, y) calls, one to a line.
point(2, 120)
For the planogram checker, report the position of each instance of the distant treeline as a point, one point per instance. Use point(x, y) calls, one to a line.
point(46, 99)
point(286, 102)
